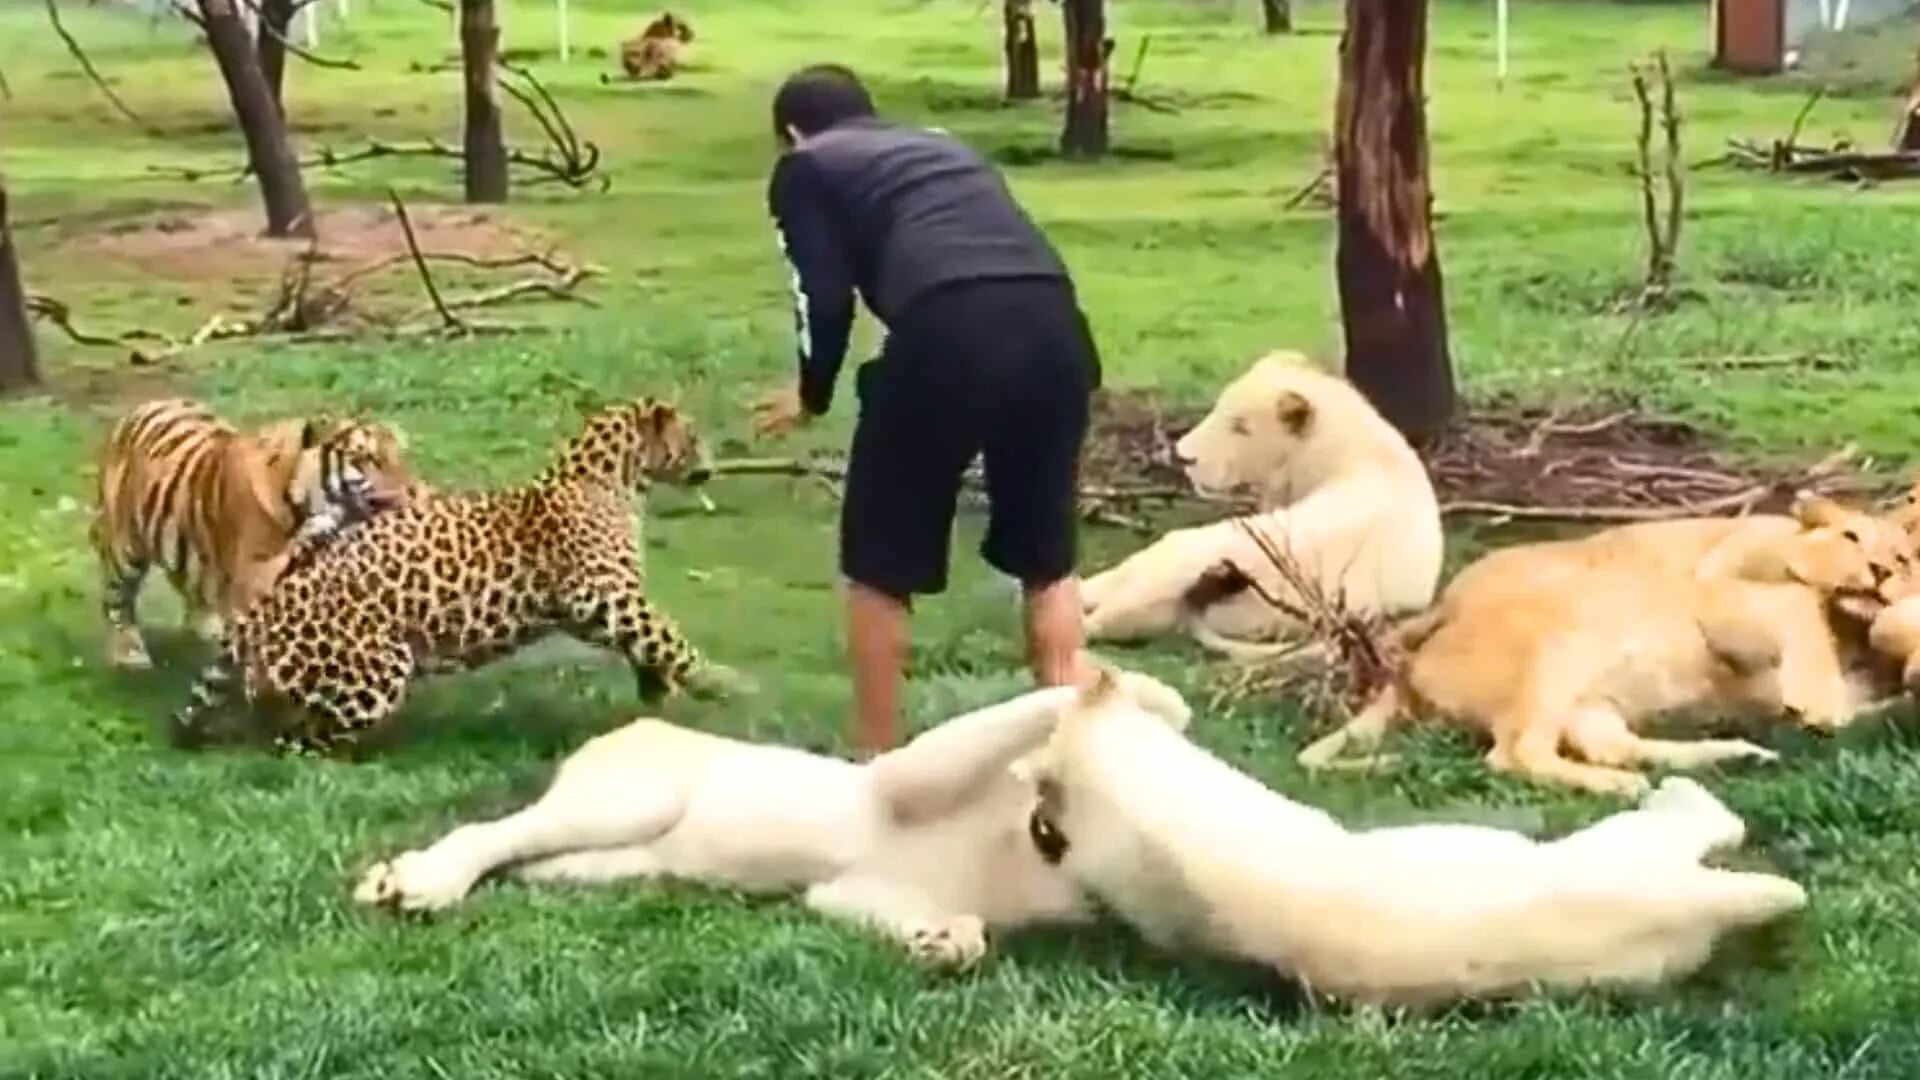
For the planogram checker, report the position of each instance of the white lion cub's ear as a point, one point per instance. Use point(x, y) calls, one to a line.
point(1295, 411)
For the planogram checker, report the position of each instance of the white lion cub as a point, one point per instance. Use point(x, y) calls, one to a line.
point(1338, 488)
point(926, 844)
point(1199, 856)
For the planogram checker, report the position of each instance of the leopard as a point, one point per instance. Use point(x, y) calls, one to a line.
point(455, 581)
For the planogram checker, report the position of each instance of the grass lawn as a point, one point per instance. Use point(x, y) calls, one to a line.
point(173, 915)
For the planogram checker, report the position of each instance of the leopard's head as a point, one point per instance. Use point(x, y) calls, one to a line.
point(634, 443)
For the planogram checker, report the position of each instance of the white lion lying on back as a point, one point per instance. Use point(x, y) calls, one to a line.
point(1199, 856)
point(927, 844)
point(1339, 489)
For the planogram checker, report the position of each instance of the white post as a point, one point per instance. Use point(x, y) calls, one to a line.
point(1840, 15)
point(566, 44)
point(1500, 43)
point(345, 8)
point(310, 24)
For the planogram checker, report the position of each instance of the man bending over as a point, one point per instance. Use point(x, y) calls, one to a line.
point(987, 353)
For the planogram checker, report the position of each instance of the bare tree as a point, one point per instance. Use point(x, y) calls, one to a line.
point(19, 366)
point(1022, 49)
point(1088, 49)
point(486, 147)
point(1279, 15)
point(269, 153)
point(1391, 299)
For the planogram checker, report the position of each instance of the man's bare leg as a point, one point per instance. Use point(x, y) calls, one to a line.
point(877, 640)
point(1056, 647)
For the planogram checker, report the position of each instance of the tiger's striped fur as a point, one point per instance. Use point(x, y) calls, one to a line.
point(217, 508)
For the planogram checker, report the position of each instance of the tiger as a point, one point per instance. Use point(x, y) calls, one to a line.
point(217, 508)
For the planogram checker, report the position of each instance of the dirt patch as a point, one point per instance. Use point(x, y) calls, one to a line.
point(1603, 460)
point(226, 245)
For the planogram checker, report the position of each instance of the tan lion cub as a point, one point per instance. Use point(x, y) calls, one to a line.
point(1200, 857)
point(926, 844)
point(1574, 645)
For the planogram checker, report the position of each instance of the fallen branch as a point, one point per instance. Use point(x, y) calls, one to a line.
point(575, 168)
point(86, 65)
point(562, 289)
point(1738, 503)
point(449, 321)
point(214, 329)
point(1098, 501)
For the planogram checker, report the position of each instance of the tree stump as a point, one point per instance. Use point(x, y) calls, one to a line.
point(19, 364)
point(1392, 305)
point(486, 148)
point(1022, 49)
point(1085, 135)
point(269, 153)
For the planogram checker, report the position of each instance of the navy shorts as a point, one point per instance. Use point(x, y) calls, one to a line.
point(1000, 369)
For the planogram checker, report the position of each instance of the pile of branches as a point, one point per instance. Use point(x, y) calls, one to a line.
point(306, 309)
point(1839, 160)
point(1344, 657)
point(1590, 465)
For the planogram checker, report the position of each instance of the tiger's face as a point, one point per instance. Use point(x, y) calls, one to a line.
point(357, 468)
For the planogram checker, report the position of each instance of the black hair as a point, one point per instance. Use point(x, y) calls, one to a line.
point(817, 97)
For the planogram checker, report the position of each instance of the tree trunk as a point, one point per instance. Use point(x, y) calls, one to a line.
point(269, 153)
point(276, 21)
point(1022, 50)
point(486, 149)
point(19, 366)
point(1906, 137)
point(1279, 15)
point(1391, 301)
point(1085, 136)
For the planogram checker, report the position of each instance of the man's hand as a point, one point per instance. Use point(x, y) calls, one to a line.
point(777, 413)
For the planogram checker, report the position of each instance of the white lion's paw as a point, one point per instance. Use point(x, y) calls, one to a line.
point(414, 881)
point(958, 942)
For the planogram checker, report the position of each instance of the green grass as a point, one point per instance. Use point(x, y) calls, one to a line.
point(172, 915)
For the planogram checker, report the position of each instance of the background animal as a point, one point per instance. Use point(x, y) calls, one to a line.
point(927, 844)
point(658, 50)
point(1340, 491)
point(458, 580)
point(1573, 645)
point(216, 508)
point(1203, 858)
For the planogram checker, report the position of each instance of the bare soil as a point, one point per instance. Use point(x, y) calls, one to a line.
point(227, 245)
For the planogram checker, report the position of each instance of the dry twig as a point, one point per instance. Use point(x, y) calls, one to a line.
point(1663, 237)
point(1358, 645)
point(86, 65)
